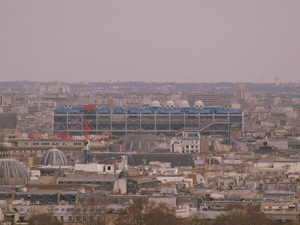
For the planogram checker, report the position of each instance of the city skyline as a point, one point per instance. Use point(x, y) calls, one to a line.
point(157, 41)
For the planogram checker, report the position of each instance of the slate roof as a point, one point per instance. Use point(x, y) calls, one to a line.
point(8, 120)
point(140, 135)
point(135, 159)
point(140, 140)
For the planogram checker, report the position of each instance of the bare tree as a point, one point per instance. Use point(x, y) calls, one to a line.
point(89, 214)
point(43, 219)
point(243, 216)
point(145, 213)
point(195, 221)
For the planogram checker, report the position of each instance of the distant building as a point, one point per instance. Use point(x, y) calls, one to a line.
point(241, 94)
point(208, 98)
point(9, 125)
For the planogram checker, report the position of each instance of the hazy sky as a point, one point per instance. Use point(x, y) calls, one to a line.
point(152, 41)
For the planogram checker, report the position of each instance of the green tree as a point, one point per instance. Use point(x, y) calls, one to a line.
point(147, 213)
point(43, 219)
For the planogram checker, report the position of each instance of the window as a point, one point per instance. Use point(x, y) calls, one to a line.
point(108, 185)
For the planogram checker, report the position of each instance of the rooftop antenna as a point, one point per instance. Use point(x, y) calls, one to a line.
point(277, 81)
point(2, 138)
point(4, 146)
point(87, 142)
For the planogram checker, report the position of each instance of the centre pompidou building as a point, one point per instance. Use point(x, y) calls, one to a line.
point(168, 120)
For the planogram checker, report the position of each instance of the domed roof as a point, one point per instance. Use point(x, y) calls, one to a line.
point(184, 103)
point(170, 103)
point(54, 157)
point(199, 104)
point(155, 103)
point(123, 174)
point(12, 172)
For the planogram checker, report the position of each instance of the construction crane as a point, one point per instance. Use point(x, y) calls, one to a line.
point(86, 133)
point(86, 141)
point(78, 125)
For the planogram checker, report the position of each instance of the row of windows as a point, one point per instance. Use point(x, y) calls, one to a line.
point(50, 143)
point(272, 173)
point(76, 218)
point(191, 146)
point(190, 151)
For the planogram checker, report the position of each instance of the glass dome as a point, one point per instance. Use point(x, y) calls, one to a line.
point(54, 157)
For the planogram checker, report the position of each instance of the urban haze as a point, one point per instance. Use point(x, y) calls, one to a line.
point(150, 41)
point(149, 112)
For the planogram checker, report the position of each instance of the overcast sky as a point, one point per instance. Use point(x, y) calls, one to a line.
point(151, 41)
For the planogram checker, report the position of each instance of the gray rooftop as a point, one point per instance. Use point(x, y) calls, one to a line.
point(136, 159)
point(8, 120)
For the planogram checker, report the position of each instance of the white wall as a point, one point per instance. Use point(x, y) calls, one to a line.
point(291, 166)
point(95, 167)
